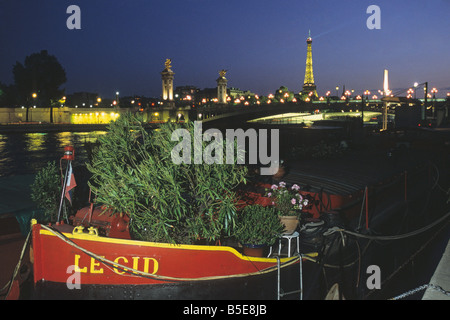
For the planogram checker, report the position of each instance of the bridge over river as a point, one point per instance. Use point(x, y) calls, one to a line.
point(241, 114)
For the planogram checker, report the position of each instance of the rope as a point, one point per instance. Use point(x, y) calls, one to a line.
point(395, 237)
point(132, 271)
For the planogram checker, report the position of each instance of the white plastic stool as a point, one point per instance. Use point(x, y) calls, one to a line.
point(289, 238)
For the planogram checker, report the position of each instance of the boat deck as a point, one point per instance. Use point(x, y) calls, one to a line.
point(353, 171)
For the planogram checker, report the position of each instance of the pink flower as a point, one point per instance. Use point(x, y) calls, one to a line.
point(269, 194)
point(293, 201)
point(274, 187)
point(295, 187)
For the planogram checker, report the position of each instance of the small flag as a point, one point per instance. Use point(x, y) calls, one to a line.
point(71, 183)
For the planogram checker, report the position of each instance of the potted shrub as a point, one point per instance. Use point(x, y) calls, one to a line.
point(46, 192)
point(256, 228)
point(289, 204)
point(133, 173)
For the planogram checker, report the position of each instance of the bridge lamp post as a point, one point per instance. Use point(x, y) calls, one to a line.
point(347, 97)
point(434, 91)
point(410, 92)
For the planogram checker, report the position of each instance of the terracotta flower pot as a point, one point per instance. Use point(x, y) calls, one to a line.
point(253, 250)
point(290, 223)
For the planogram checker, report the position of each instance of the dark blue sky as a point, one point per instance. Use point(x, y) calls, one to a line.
point(123, 44)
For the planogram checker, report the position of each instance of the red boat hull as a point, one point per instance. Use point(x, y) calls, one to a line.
point(78, 265)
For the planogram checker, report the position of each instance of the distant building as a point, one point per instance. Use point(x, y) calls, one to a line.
point(186, 93)
point(82, 99)
point(237, 93)
point(207, 95)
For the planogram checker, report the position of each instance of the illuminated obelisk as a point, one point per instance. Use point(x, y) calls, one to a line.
point(386, 83)
point(386, 95)
point(309, 85)
point(167, 84)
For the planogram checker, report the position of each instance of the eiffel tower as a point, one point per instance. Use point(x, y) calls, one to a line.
point(308, 84)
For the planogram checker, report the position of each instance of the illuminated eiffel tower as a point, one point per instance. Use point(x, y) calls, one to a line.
point(308, 84)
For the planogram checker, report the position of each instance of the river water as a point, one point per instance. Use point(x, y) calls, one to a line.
point(27, 153)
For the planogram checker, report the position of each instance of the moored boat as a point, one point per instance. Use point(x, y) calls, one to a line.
point(103, 261)
point(71, 263)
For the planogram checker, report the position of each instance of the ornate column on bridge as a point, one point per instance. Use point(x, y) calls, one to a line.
point(308, 84)
point(222, 87)
point(167, 84)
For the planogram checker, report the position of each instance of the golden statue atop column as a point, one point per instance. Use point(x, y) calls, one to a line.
point(168, 64)
point(222, 73)
point(167, 82)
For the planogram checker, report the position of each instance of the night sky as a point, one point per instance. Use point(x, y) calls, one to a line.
point(123, 44)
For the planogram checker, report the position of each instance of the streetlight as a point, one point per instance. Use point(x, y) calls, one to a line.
point(434, 91)
point(416, 84)
point(34, 96)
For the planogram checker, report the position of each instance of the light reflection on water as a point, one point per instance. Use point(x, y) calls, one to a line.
point(27, 153)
